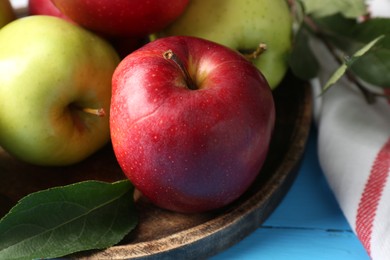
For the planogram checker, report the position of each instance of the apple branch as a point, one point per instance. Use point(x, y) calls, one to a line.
point(170, 55)
point(368, 95)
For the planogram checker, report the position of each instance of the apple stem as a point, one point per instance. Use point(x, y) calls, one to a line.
point(170, 55)
point(95, 111)
point(256, 53)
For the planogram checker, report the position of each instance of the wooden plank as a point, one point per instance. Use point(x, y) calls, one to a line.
point(294, 243)
point(310, 202)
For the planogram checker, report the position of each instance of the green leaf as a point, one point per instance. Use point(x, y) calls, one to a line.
point(364, 50)
point(375, 66)
point(302, 61)
point(350, 36)
point(335, 77)
point(348, 8)
point(349, 62)
point(63, 220)
point(337, 29)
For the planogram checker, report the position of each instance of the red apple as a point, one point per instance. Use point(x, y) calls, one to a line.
point(122, 17)
point(45, 7)
point(191, 122)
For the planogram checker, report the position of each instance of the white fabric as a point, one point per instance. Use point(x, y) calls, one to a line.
point(354, 151)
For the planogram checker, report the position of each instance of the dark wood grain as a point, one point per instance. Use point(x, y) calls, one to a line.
point(164, 234)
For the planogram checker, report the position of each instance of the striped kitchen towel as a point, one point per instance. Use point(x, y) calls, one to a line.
point(354, 153)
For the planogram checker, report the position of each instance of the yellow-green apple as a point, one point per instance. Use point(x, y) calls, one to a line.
point(191, 122)
point(45, 7)
point(55, 90)
point(242, 25)
point(122, 18)
point(7, 14)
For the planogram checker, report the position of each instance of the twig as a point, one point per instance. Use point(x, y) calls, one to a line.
point(369, 96)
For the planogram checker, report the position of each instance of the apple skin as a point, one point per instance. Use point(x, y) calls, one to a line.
point(7, 14)
point(45, 7)
point(242, 25)
point(190, 150)
point(123, 18)
point(51, 71)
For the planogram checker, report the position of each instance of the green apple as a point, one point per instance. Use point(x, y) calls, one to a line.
point(55, 90)
point(6, 12)
point(242, 25)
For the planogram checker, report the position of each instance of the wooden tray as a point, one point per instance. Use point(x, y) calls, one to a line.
point(163, 234)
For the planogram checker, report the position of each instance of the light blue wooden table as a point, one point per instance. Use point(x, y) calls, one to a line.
point(307, 224)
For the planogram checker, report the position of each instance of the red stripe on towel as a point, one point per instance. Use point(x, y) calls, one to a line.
point(371, 196)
